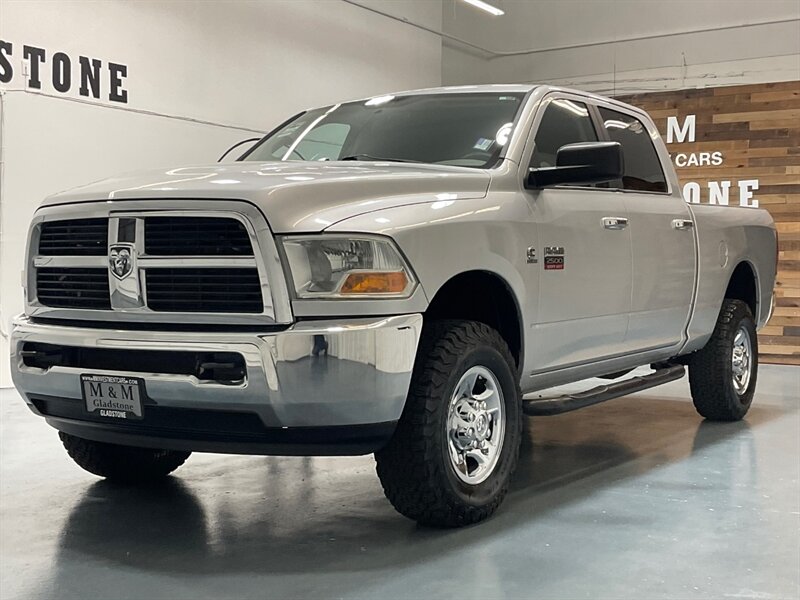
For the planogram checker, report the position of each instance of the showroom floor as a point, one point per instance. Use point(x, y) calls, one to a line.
point(636, 498)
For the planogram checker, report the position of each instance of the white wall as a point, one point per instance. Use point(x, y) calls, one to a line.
point(237, 67)
point(740, 53)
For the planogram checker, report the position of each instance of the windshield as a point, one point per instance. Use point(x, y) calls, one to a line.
point(465, 129)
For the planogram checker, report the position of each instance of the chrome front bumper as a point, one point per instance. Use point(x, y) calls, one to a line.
point(361, 380)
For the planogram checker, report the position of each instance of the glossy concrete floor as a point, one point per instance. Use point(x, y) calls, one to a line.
point(635, 498)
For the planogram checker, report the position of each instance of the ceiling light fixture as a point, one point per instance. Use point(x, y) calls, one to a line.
point(487, 7)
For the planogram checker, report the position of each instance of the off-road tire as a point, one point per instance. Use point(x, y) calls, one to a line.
point(414, 468)
point(124, 464)
point(710, 369)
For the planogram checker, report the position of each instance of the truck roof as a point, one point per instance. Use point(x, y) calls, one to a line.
point(455, 89)
point(506, 88)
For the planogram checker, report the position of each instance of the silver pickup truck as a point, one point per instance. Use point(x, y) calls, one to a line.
point(395, 275)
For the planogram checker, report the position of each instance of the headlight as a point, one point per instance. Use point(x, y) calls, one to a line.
point(347, 266)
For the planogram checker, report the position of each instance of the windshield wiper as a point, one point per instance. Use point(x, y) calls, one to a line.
point(378, 158)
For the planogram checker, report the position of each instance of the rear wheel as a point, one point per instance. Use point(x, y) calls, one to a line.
point(722, 376)
point(451, 458)
point(122, 463)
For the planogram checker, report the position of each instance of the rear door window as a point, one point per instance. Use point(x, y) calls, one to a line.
point(643, 170)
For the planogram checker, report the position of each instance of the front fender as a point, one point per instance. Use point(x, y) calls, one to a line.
point(445, 238)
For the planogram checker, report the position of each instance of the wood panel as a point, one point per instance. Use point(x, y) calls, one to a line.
point(757, 130)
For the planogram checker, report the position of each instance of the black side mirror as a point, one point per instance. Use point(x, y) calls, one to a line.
point(585, 162)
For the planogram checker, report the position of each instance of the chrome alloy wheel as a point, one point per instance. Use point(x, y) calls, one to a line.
point(742, 360)
point(475, 425)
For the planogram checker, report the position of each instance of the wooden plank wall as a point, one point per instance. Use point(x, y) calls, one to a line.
point(757, 130)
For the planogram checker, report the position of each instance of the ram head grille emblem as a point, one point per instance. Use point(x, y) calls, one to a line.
point(120, 260)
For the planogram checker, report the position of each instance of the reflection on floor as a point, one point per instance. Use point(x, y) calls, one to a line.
point(635, 498)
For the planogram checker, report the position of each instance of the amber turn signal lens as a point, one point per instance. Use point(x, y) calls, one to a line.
point(375, 283)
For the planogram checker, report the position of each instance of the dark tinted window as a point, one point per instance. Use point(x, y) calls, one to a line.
point(642, 168)
point(466, 129)
point(564, 122)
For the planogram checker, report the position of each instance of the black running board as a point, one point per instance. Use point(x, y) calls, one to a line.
point(560, 404)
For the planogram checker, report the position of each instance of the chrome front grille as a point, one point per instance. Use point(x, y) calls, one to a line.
point(74, 237)
point(204, 290)
point(73, 288)
point(196, 236)
point(137, 261)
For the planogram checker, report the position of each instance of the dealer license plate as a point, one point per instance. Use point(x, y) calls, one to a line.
point(112, 396)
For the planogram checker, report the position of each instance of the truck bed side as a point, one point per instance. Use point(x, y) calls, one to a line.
point(726, 238)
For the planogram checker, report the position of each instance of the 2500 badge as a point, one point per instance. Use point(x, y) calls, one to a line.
point(553, 258)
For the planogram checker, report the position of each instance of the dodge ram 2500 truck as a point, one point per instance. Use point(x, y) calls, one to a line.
point(395, 275)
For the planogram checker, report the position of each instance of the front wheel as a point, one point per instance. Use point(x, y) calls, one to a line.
point(124, 464)
point(457, 443)
point(722, 376)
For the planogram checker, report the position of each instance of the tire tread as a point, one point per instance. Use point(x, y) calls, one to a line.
point(709, 369)
point(407, 467)
point(122, 463)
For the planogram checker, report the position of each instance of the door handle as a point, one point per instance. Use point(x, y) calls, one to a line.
point(615, 223)
point(682, 224)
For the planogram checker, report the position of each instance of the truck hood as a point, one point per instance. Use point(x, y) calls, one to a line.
point(294, 196)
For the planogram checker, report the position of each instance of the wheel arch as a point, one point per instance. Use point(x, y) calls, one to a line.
point(743, 285)
point(496, 305)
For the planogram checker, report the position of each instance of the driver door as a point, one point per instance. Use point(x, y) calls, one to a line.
point(583, 246)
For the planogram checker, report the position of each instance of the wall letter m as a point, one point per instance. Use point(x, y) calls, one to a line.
point(680, 133)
